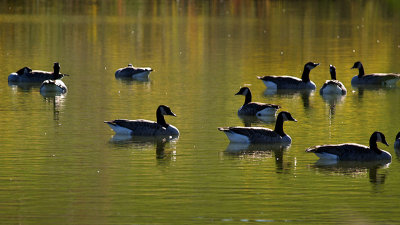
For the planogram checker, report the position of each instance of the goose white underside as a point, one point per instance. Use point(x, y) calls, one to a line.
point(327, 156)
point(391, 82)
point(141, 75)
point(120, 130)
point(267, 112)
point(332, 90)
point(237, 138)
point(57, 87)
point(270, 85)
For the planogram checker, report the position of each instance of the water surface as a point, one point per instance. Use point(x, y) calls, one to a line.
point(60, 164)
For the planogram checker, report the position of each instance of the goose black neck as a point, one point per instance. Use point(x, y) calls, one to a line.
point(361, 71)
point(279, 126)
point(374, 146)
point(305, 77)
point(248, 98)
point(160, 118)
point(333, 75)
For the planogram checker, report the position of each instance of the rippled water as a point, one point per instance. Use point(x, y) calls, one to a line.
point(60, 164)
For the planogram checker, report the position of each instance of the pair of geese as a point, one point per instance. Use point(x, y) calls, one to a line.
point(51, 81)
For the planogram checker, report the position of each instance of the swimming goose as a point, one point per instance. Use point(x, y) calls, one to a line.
point(397, 141)
point(333, 86)
point(354, 152)
point(28, 75)
point(145, 127)
point(384, 79)
point(260, 134)
point(133, 72)
point(54, 85)
point(289, 82)
point(255, 108)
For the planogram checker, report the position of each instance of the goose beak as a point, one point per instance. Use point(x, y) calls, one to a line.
point(384, 142)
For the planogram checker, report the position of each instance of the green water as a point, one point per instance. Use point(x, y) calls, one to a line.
point(60, 164)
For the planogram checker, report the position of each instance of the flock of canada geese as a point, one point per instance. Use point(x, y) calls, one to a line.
point(51, 83)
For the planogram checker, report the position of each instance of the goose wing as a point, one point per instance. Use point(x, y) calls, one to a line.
point(336, 83)
point(140, 127)
point(379, 78)
point(254, 134)
point(283, 81)
point(343, 151)
point(253, 107)
point(130, 70)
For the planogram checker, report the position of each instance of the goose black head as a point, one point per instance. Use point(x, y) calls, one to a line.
point(286, 116)
point(243, 91)
point(310, 65)
point(379, 137)
point(357, 65)
point(332, 70)
point(398, 136)
point(165, 110)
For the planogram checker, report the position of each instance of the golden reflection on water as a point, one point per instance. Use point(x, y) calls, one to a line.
point(58, 160)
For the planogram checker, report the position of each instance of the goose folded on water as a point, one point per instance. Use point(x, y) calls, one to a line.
point(290, 82)
point(142, 127)
point(133, 72)
point(260, 134)
point(28, 75)
point(397, 141)
point(354, 152)
point(54, 85)
point(250, 108)
point(377, 79)
point(333, 86)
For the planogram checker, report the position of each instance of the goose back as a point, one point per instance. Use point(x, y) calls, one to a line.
point(141, 128)
point(253, 135)
point(133, 72)
point(348, 152)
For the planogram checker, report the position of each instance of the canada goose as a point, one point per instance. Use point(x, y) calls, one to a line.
point(333, 86)
point(397, 141)
point(255, 108)
point(383, 79)
point(145, 127)
point(133, 72)
point(353, 152)
point(260, 134)
point(54, 85)
point(289, 82)
point(28, 75)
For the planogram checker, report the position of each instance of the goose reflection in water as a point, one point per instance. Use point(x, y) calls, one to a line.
point(289, 93)
point(262, 150)
point(58, 103)
point(146, 143)
point(332, 101)
point(355, 168)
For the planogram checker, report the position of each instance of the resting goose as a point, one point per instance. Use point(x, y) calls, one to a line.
point(260, 134)
point(289, 82)
point(28, 75)
point(381, 79)
point(250, 108)
point(397, 141)
point(54, 85)
point(133, 72)
point(145, 127)
point(353, 152)
point(333, 86)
